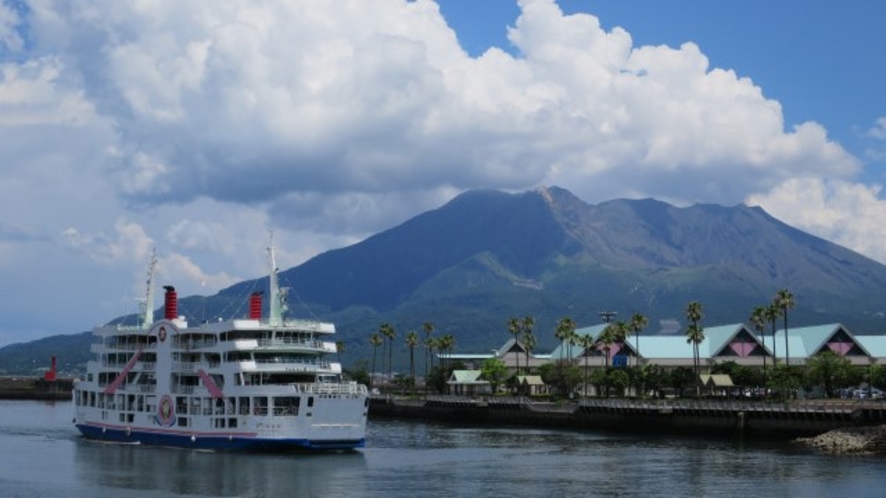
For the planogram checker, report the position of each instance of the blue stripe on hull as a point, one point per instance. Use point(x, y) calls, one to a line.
point(215, 442)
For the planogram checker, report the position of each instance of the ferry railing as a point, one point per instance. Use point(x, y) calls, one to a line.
point(194, 365)
point(289, 342)
point(189, 344)
point(329, 388)
point(286, 363)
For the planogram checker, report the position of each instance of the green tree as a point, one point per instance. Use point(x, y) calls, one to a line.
point(428, 329)
point(695, 335)
point(587, 344)
point(430, 347)
point(359, 374)
point(495, 372)
point(375, 341)
point(340, 349)
point(600, 381)
point(783, 381)
point(636, 325)
point(515, 327)
point(622, 330)
point(784, 300)
point(387, 331)
point(758, 320)
point(828, 370)
point(564, 333)
point(877, 374)
point(618, 379)
point(772, 314)
point(741, 375)
point(561, 375)
point(681, 377)
point(529, 342)
point(524, 333)
point(411, 342)
point(446, 344)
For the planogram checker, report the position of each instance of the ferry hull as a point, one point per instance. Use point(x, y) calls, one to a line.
point(205, 441)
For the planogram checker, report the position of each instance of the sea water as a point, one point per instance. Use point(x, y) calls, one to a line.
point(44, 456)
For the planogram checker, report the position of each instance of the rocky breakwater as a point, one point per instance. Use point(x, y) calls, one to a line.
point(864, 440)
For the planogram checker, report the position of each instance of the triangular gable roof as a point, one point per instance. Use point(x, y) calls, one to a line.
point(875, 345)
point(719, 339)
point(813, 340)
point(531, 380)
point(565, 350)
point(512, 346)
point(716, 380)
point(466, 377)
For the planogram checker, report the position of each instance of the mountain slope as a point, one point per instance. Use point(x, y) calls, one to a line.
point(486, 256)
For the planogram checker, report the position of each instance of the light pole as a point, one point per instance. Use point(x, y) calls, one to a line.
point(607, 316)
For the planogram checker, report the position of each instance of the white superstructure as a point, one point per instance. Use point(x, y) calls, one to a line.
point(249, 383)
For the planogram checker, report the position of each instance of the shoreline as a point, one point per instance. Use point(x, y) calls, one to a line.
point(835, 424)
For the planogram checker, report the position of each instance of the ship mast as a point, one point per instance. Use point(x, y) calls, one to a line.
point(277, 295)
point(148, 303)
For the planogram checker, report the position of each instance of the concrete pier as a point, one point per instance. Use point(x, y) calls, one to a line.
point(788, 419)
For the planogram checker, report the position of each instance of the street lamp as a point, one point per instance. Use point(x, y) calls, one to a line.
point(607, 316)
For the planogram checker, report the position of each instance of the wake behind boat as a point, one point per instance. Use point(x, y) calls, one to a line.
point(243, 384)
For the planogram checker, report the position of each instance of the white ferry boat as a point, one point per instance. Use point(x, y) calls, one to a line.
point(239, 384)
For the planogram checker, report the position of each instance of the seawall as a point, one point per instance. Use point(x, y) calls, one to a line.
point(787, 419)
point(35, 388)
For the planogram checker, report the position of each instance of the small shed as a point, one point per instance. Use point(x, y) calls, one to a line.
point(532, 385)
point(716, 384)
point(468, 383)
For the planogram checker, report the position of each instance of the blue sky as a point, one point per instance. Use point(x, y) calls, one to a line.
point(822, 59)
point(195, 127)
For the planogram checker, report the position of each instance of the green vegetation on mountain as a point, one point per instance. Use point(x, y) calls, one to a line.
point(486, 256)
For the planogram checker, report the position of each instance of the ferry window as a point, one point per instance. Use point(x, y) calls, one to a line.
point(286, 405)
point(183, 421)
point(259, 406)
point(244, 405)
point(310, 401)
point(232, 422)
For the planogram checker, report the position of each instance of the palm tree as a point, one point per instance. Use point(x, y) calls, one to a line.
point(758, 319)
point(621, 332)
point(565, 332)
point(514, 328)
point(785, 301)
point(587, 343)
point(387, 331)
point(607, 339)
point(375, 341)
point(427, 328)
point(695, 334)
point(340, 349)
point(411, 342)
point(528, 344)
point(772, 314)
point(637, 324)
point(431, 346)
point(526, 335)
point(446, 344)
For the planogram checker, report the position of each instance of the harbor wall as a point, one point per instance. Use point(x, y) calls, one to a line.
point(35, 388)
point(787, 419)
